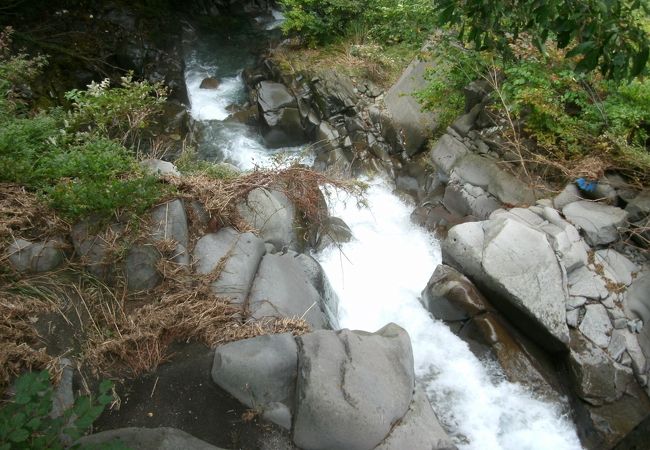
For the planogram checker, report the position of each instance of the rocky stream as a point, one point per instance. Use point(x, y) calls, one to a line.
point(458, 308)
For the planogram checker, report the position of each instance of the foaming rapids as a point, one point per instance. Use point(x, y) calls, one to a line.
point(378, 277)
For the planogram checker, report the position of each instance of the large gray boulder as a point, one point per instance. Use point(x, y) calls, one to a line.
point(236, 255)
point(95, 248)
point(353, 387)
point(261, 373)
point(279, 113)
point(148, 439)
point(43, 256)
point(515, 266)
point(419, 429)
point(446, 152)
point(169, 223)
point(639, 206)
point(469, 200)
point(598, 222)
point(272, 214)
point(412, 124)
point(333, 93)
point(286, 285)
point(140, 268)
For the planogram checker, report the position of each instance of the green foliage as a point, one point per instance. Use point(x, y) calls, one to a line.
point(77, 159)
point(608, 35)
point(566, 114)
point(15, 71)
point(189, 162)
point(321, 21)
point(117, 112)
point(385, 21)
point(454, 68)
point(25, 422)
point(391, 21)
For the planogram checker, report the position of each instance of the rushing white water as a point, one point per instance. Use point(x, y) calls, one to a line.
point(378, 277)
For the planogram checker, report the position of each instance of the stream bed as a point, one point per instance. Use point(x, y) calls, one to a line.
point(379, 275)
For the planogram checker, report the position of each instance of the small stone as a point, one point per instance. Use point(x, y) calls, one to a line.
point(570, 194)
point(575, 302)
point(159, 167)
point(586, 283)
point(596, 325)
point(209, 83)
point(573, 318)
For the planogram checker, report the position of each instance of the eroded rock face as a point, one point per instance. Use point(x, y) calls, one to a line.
point(352, 387)
point(516, 265)
point(415, 125)
point(278, 110)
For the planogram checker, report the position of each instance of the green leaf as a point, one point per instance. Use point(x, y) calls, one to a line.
point(18, 436)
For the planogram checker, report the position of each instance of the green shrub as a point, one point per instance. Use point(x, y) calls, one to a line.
point(25, 422)
point(321, 21)
point(117, 112)
point(385, 21)
point(77, 160)
point(610, 36)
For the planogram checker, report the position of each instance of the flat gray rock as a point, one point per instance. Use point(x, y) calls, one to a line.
point(515, 266)
point(261, 373)
point(617, 267)
point(584, 282)
point(419, 429)
point(353, 387)
point(148, 439)
point(241, 255)
point(597, 221)
point(596, 325)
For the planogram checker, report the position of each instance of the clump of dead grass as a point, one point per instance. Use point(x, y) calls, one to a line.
point(23, 214)
point(20, 345)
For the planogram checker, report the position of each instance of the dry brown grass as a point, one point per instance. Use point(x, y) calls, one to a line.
point(20, 345)
point(22, 214)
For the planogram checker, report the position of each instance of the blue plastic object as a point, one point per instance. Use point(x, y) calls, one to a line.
point(587, 186)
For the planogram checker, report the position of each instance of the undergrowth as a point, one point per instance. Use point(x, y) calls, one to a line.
point(566, 119)
point(77, 160)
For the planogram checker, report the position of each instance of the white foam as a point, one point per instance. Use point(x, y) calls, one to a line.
point(378, 278)
point(278, 19)
point(211, 104)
